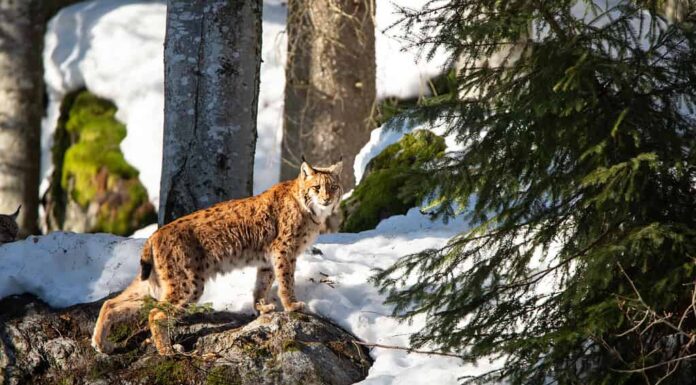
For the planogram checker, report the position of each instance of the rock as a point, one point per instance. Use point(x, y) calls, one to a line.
point(47, 346)
point(93, 188)
point(393, 181)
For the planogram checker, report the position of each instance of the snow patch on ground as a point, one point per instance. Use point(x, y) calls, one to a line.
point(67, 268)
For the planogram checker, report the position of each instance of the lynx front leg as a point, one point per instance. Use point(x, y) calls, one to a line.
point(264, 281)
point(284, 268)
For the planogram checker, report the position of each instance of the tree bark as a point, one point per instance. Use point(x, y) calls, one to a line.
point(212, 58)
point(22, 27)
point(330, 83)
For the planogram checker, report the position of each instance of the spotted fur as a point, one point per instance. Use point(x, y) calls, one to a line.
point(268, 231)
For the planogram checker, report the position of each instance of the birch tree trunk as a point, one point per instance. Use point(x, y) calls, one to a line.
point(22, 27)
point(330, 83)
point(212, 58)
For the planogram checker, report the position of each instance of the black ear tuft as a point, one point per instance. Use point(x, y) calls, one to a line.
point(306, 170)
point(303, 159)
point(16, 213)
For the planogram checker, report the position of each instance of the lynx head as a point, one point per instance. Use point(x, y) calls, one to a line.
point(320, 188)
point(8, 227)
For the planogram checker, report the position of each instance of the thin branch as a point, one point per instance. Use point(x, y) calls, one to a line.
point(410, 350)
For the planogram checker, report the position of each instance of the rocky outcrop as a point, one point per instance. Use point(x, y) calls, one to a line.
point(40, 345)
point(393, 181)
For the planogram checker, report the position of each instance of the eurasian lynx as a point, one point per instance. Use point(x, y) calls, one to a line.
point(268, 231)
point(8, 227)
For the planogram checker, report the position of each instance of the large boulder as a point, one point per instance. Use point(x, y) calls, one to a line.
point(93, 188)
point(40, 345)
point(392, 181)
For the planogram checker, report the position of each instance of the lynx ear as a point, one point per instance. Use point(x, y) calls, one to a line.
point(337, 168)
point(306, 170)
point(16, 213)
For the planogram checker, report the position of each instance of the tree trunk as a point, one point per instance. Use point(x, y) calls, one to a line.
point(22, 27)
point(330, 86)
point(212, 57)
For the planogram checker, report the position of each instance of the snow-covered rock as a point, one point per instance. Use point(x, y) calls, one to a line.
point(68, 268)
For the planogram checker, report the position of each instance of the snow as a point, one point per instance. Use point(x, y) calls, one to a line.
point(401, 72)
point(382, 137)
point(114, 49)
point(67, 268)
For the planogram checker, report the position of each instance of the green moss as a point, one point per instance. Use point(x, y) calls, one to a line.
point(101, 368)
point(61, 143)
point(120, 332)
point(384, 191)
point(99, 134)
point(255, 350)
point(93, 169)
point(67, 380)
point(223, 375)
point(296, 315)
point(291, 346)
point(194, 308)
point(440, 86)
point(168, 371)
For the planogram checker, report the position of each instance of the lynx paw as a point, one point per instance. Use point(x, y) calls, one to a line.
point(105, 347)
point(165, 350)
point(262, 307)
point(296, 306)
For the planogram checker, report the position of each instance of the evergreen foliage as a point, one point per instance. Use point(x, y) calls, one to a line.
point(384, 190)
point(578, 124)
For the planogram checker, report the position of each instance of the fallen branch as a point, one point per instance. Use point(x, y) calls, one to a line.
point(410, 350)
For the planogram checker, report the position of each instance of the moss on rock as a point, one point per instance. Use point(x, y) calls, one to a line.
point(91, 120)
point(384, 191)
point(166, 371)
point(93, 171)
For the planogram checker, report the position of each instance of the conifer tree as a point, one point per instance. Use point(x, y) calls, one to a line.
point(578, 175)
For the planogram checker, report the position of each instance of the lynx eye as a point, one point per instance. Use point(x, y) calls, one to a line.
point(316, 188)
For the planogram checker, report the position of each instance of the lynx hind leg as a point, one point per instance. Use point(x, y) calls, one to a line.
point(121, 308)
point(264, 281)
point(168, 309)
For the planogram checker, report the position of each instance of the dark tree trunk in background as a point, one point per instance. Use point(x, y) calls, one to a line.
point(22, 29)
point(212, 58)
point(330, 83)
